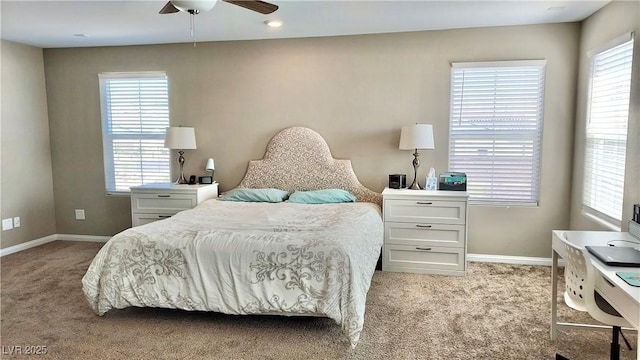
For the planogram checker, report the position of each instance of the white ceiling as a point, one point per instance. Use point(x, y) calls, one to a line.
point(52, 24)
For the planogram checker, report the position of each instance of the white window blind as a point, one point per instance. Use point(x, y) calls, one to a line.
point(607, 119)
point(135, 115)
point(496, 129)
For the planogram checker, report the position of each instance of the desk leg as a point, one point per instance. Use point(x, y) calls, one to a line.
point(554, 294)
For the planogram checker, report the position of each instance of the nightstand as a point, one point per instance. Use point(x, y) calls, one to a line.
point(425, 231)
point(152, 202)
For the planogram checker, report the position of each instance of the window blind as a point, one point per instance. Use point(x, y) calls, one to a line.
point(606, 134)
point(496, 129)
point(135, 115)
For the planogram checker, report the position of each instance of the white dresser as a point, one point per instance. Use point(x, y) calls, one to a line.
point(152, 202)
point(425, 231)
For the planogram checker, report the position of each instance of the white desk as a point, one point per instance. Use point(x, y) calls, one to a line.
point(622, 296)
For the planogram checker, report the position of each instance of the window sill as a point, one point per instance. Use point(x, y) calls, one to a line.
point(119, 193)
point(607, 225)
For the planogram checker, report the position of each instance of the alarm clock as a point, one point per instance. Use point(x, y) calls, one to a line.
point(397, 181)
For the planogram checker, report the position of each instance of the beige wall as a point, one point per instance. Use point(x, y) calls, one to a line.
point(356, 91)
point(27, 185)
point(612, 21)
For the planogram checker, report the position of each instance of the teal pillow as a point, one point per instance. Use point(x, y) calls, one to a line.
point(255, 195)
point(326, 196)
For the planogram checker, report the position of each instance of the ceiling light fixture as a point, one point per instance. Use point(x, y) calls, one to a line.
point(194, 7)
point(273, 23)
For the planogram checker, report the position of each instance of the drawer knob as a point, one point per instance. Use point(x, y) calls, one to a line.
point(164, 216)
point(164, 195)
point(424, 226)
point(423, 248)
point(424, 202)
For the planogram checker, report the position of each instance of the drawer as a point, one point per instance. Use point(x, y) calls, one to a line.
point(141, 219)
point(165, 202)
point(423, 259)
point(623, 302)
point(424, 234)
point(425, 211)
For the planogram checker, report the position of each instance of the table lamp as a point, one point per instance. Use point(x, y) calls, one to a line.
point(210, 167)
point(416, 137)
point(180, 138)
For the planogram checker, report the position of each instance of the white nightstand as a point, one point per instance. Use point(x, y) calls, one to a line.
point(152, 202)
point(425, 231)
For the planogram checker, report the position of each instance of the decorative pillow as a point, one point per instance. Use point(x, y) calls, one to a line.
point(326, 196)
point(255, 195)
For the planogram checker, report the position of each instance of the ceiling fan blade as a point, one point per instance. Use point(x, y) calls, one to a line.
point(169, 9)
point(255, 5)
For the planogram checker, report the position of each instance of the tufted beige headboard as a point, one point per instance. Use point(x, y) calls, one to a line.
point(298, 158)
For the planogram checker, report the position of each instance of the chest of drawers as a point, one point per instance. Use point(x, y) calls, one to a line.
point(425, 231)
point(152, 202)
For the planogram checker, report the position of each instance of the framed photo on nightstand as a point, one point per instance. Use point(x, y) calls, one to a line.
point(205, 179)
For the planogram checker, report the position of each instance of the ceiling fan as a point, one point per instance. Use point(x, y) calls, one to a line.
point(195, 7)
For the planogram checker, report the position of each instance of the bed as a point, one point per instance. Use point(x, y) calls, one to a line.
point(280, 258)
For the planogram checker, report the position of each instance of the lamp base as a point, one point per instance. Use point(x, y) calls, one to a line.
point(416, 163)
point(181, 179)
point(414, 186)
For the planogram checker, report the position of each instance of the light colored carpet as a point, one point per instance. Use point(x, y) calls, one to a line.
point(497, 311)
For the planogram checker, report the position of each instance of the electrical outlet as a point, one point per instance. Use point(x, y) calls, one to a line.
point(16, 222)
point(7, 224)
point(79, 214)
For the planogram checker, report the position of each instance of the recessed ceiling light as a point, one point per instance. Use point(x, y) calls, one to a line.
point(273, 23)
point(81, 35)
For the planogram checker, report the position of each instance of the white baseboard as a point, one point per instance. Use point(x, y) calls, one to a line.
point(50, 238)
point(87, 238)
point(518, 260)
point(28, 245)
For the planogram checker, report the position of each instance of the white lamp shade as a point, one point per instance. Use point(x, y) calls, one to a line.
point(180, 138)
point(417, 136)
point(210, 165)
point(201, 6)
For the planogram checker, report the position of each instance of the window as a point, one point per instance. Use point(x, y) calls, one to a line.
point(607, 119)
point(135, 115)
point(496, 129)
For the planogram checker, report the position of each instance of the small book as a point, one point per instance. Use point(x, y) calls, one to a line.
point(630, 277)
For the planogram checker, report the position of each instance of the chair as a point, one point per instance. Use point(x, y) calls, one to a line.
point(580, 295)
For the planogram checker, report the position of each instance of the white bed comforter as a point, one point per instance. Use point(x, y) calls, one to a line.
point(245, 258)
